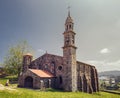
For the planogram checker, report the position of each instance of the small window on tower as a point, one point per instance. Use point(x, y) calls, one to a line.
point(73, 39)
point(70, 26)
point(67, 40)
point(67, 27)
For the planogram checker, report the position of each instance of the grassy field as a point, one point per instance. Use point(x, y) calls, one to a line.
point(13, 92)
point(3, 80)
point(26, 93)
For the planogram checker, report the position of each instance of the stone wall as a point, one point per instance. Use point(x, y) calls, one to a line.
point(87, 78)
point(52, 64)
point(38, 82)
point(28, 73)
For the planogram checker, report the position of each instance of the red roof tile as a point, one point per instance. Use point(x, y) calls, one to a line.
point(42, 73)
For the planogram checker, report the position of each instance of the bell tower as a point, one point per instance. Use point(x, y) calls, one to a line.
point(69, 56)
point(27, 58)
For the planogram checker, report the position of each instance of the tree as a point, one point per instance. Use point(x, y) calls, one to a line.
point(13, 60)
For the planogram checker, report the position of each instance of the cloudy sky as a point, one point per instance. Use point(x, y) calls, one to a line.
point(41, 24)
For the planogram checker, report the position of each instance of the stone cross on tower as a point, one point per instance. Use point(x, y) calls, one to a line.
point(68, 10)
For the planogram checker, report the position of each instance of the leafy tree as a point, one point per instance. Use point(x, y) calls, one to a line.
point(13, 60)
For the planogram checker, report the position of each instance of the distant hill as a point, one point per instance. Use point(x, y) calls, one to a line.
point(109, 73)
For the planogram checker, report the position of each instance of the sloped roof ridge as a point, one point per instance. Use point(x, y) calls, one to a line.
point(53, 55)
point(47, 54)
point(85, 64)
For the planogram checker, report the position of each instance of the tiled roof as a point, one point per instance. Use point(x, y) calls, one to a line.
point(42, 73)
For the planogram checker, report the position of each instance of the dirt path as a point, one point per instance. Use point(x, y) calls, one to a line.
point(2, 87)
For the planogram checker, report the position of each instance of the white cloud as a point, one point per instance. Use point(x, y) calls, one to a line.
point(105, 66)
point(105, 50)
point(41, 51)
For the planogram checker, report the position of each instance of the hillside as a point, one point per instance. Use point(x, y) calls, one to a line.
point(109, 73)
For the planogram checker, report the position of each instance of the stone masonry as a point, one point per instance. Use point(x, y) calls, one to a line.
point(60, 72)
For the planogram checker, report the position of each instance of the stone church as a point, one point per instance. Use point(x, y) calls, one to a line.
point(60, 72)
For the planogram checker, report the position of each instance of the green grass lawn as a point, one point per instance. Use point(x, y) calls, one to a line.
point(49, 93)
point(26, 93)
point(4, 80)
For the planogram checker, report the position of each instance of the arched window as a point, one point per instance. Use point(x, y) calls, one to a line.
point(69, 26)
point(53, 63)
point(73, 41)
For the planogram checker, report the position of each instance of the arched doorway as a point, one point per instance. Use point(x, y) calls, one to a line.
point(28, 82)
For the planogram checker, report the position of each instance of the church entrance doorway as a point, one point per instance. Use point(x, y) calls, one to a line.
point(28, 82)
point(46, 83)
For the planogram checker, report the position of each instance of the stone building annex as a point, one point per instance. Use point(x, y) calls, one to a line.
point(60, 72)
